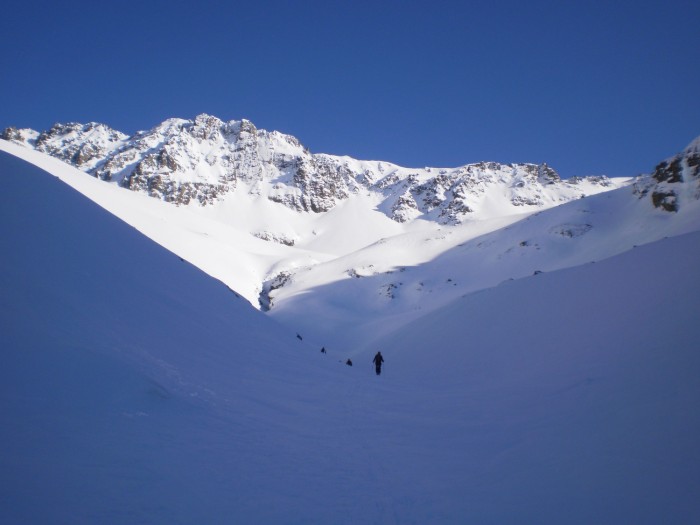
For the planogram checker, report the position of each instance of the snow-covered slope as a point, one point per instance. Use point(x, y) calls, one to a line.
point(135, 389)
point(223, 251)
point(351, 300)
point(246, 237)
point(572, 396)
point(338, 264)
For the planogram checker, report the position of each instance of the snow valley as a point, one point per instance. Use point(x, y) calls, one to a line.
point(522, 383)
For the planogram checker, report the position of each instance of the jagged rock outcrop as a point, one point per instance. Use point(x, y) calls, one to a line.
point(317, 184)
point(82, 145)
point(452, 195)
point(673, 180)
point(201, 160)
point(275, 237)
point(265, 299)
point(25, 137)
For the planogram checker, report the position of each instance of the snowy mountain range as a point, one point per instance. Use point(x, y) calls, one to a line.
point(540, 336)
point(204, 159)
point(343, 250)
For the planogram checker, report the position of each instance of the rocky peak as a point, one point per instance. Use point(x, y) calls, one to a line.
point(206, 127)
point(83, 145)
point(547, 175)
point(202, 160)
point(245, 128)
point(673, 180)
point(25, 137)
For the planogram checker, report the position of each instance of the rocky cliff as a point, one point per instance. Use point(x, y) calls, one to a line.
point(674, 180)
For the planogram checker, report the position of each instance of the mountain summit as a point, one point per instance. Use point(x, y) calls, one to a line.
point(675, 180)
point(205, 159)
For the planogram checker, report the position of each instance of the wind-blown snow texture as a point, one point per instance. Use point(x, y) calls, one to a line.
point(137, 389)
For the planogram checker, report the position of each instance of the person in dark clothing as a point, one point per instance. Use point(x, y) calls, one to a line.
point(378, 360)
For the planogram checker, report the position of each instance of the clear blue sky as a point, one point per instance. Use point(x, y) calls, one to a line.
point(590, 87)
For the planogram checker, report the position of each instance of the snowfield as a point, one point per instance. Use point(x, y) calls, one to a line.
point(539, 368)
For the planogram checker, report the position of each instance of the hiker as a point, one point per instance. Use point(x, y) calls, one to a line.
point(378, 360)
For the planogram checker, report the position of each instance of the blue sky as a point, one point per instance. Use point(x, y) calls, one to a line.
point(588, 87)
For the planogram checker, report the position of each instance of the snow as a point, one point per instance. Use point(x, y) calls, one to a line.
point(137, 389)
point(579, 386)
point(119, 363)
point(242, 237)
point(406, 276)
point(237, 258)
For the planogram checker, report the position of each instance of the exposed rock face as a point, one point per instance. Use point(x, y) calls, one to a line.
point(201, 160)
point(83, 145)
point(452, 194)
point(673, 180)
point(317, 183)
point(25, 137)
point(278, 281)
point(183, 161)
point(274, 237)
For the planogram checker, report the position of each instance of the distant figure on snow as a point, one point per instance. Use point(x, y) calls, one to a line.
point(378, 360)
point(323, 350)
point(348, 362)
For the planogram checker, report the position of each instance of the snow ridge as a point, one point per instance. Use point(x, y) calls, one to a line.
point(206, 159)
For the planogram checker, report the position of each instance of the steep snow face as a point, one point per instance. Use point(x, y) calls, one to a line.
point(204, 160)
point(225, 251)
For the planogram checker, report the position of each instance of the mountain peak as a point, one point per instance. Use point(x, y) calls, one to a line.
point(206, 159)
point(674, 181)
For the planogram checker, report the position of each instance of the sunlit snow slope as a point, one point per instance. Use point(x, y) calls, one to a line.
point(352, 270)
point(222, 250)
point(350, 301)
point(135, 389)
point(259, 211)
